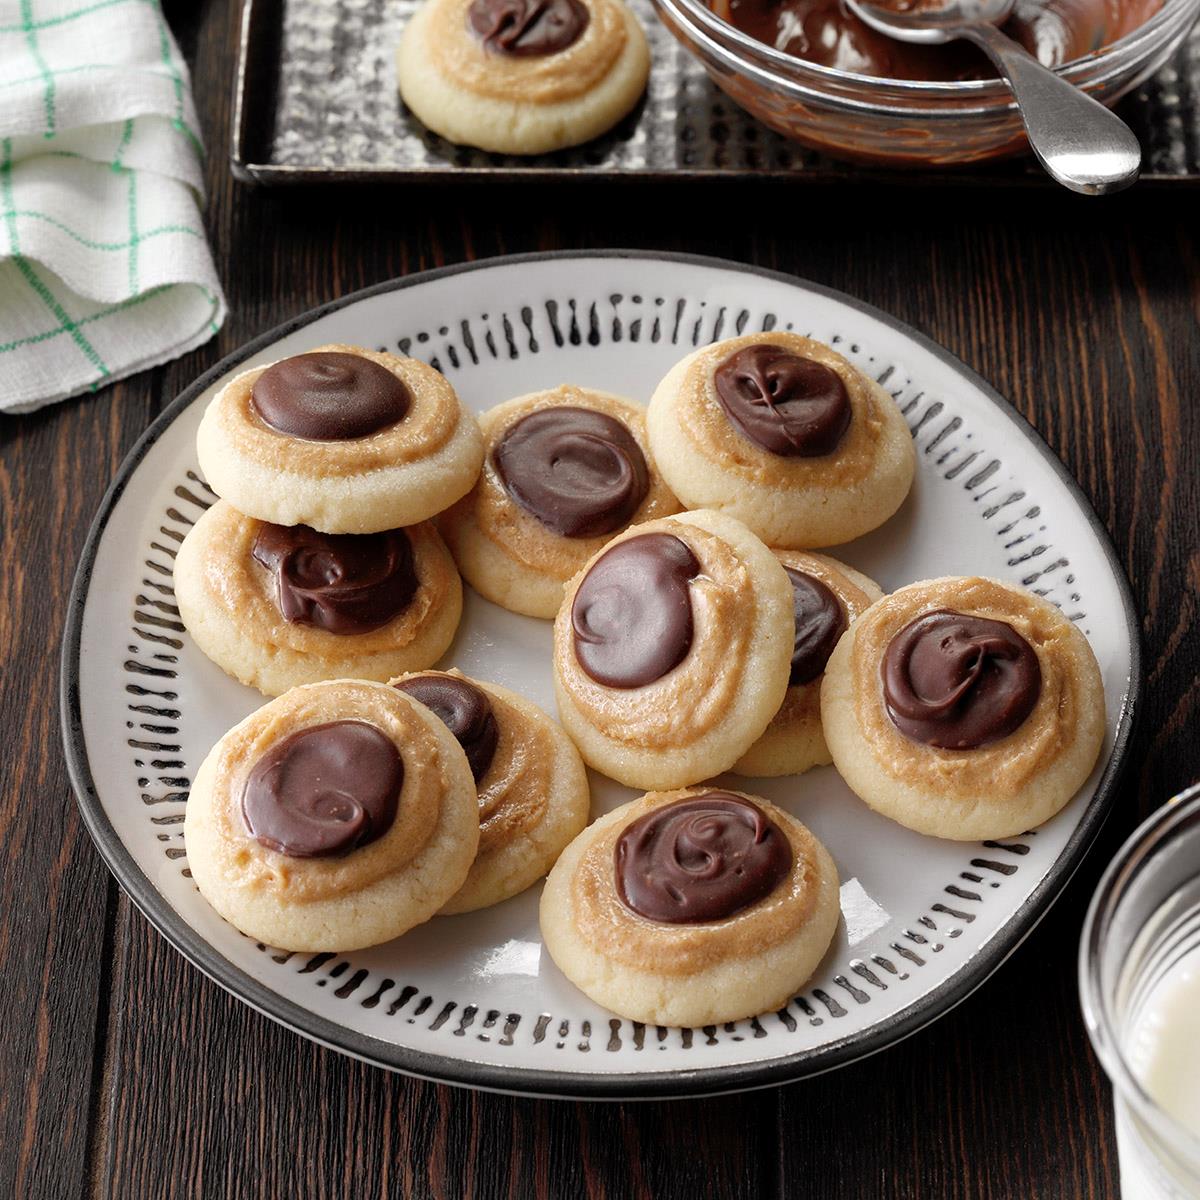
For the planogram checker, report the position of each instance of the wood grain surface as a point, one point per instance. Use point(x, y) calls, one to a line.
point(125, 1073)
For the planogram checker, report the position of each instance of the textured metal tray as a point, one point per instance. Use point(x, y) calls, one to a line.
point(317, 101)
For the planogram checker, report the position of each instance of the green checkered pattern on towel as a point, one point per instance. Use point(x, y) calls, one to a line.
point(104, 266)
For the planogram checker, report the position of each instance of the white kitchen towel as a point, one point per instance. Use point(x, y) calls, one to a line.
point(104, 265)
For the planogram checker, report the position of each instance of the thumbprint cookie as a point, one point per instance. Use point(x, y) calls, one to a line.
point(564, 470)
point(532, 785)
point(964, 708)
point(785, 434)
point(342, 439)
point(522, 76)
point(826, 596)
point(276, 605)
point(337, 816)
point(691, 907)
point(672, 650)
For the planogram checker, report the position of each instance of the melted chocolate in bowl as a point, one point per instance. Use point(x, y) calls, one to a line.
point(825, 32)
point(700, 859)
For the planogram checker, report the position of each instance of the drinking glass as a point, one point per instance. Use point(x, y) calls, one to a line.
point(1139, 980)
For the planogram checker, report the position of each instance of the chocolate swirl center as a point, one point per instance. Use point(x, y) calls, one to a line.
point(324, 791)
point(632, 613)
point(464, 710)
point(959, 682)
point(576, 470)
point(528, 28)
point(344, 583)
point(703, 858)
point(329, 396)
point(788, 405)
point(820, 621)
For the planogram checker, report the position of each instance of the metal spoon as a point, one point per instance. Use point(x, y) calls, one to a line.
point(1080, 143)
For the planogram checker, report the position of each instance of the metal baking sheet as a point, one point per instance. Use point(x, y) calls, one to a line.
point(317, 101)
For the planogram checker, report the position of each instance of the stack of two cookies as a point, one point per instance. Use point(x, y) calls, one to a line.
point(320, 559)
point(372, 793)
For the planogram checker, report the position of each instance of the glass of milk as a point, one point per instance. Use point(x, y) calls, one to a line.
point(1139, 978)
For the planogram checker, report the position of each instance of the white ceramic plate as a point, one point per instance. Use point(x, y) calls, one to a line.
point(473, 999)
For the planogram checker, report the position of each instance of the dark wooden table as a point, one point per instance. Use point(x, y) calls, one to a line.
point(125, 1073)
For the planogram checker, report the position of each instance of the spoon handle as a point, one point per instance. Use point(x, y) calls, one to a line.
point(1079, 142)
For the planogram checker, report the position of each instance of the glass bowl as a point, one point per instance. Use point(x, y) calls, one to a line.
point(1141, 933)
point(897, 122)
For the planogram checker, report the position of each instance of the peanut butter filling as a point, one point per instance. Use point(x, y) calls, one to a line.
point(705, 423)
point(684, 704)
point(515, 790)
point(460, 56)
point(428, 425)
point(245, 863)
point(1001, 767)
point(621, 935)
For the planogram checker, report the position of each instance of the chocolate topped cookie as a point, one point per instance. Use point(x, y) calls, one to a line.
point(785, 434)
point(564, 471)
point(691, 907)
point(673, 649)
point(276, 606)
point(965, 708)
point(827, 596)
point(337, 816)
point(341, 439)
point(522, 76)
point(532, 785)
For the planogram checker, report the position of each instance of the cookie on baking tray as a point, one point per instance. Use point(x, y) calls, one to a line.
point(785, 434)
point(564, 470)
point(964, 708)
point(522, 76)
point(827, 595)
point(532, 785)
point(342, 439)
point(691, 907)
point(672, 650)
point(337, 816)
point(275, 606)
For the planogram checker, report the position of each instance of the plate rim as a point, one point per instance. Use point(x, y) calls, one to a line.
point(514, 1080)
